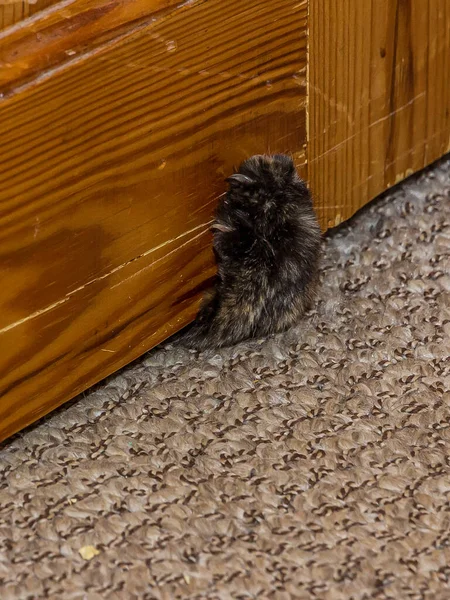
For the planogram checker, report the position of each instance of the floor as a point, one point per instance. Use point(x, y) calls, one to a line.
point(312, 465)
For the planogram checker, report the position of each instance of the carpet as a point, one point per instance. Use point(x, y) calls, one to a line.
point(311, 465)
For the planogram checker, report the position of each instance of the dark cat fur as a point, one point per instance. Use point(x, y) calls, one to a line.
point(267, 245)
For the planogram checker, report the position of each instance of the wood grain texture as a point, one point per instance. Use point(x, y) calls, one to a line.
point(379, 97)
point(14, 11)
point(70, 31)
point(111, 168)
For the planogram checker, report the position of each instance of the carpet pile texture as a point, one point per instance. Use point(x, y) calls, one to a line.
point(311, 465)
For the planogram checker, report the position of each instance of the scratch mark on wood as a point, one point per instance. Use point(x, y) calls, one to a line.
point(68, 296)
point(159, 259)
point(371, 126)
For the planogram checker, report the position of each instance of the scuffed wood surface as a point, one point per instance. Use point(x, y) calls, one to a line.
point(72, 31)
point(112, 164)
point(14, 11)
point(379, 97)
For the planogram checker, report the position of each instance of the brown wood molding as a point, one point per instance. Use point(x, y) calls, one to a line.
point(16, 11)
point(111, 168)
point(72, 31)
point(379, 97)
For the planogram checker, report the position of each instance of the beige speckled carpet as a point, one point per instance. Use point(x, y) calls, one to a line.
point(313, 465)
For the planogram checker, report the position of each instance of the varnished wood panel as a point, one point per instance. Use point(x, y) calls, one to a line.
point(379, 97)
point(112, 164)
point(71, 32)
point(14, 11)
